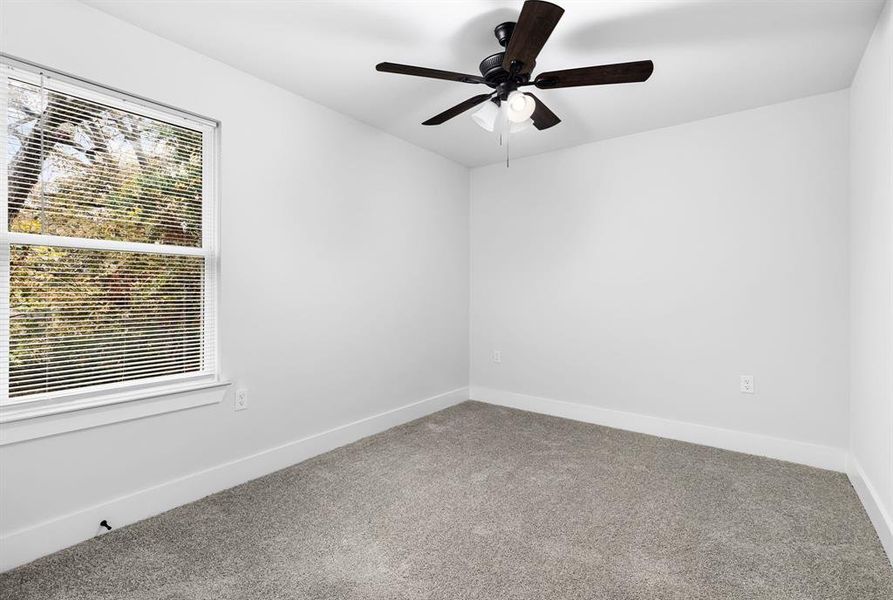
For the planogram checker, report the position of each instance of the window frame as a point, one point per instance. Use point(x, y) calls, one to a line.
point(104, 395)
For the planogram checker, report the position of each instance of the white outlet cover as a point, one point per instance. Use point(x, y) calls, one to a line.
point(747, 384)
point(497, 356)
point(240, 401)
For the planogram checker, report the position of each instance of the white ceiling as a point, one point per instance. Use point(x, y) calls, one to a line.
point(710, 57)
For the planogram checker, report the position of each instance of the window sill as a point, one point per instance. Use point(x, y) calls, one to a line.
point(22, 423)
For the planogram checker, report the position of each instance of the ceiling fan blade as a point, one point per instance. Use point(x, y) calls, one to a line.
point(458, 109)
point(630, 72)
point(534, 27)
point(543, 118)
point(387, 67)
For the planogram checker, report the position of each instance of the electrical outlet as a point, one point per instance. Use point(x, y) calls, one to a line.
point(497, 356)
point(747, 384)
point(240, 402)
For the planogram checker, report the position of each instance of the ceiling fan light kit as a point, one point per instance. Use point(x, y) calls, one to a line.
point(493, 119)
point(507, 109)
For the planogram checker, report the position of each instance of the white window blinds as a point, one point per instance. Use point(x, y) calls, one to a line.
point(108, 257)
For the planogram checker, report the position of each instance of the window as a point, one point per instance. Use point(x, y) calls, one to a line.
point(108, 252)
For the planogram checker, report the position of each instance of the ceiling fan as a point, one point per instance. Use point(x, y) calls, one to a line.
point(507, 71)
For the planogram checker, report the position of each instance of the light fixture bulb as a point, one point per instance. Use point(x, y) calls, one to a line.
point(517, 103)
point(520, 106)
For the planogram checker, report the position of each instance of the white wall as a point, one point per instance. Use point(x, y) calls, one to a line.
point(344, 282)
point(645, 274)
point(871, 277)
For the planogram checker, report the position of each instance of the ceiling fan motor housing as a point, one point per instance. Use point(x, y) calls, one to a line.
point(498, 78)
point(491, 67)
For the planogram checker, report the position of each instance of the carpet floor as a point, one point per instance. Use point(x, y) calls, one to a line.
point(482, 502)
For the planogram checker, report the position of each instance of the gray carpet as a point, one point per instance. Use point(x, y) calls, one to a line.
point(491, 503)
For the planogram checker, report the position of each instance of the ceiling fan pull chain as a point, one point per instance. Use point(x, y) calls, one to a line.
point(507, 128)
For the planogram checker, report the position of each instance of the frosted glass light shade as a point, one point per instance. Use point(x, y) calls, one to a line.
point(486, 116)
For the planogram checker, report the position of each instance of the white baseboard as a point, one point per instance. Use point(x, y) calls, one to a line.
point(814, 455)
point(880, 518)
point(25, 545)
